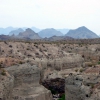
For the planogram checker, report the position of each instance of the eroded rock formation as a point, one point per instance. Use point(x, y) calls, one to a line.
point(23, 84)
point(82, 87)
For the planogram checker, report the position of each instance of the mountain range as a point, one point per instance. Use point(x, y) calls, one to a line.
point(50, 33)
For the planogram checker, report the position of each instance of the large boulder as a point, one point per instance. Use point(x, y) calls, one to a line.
point(23, 84)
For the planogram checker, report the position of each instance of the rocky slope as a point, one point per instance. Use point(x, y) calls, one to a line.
point(82, 33)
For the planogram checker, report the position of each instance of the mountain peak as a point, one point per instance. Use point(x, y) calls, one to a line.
point(29, 30)
point(82, 33)
point(82, 28)
point(29, 33)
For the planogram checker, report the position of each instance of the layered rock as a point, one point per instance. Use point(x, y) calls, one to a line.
point(25, 84)
point(59, 64)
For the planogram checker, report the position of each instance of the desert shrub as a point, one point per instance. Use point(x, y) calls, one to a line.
point(3, 72)
point(81, 70)
point(83, 56)
point(20, 62)
point(10, 46)
point(92, 85)
point(89, 64)
point(28, 49)
point(99, 62)
point(62, 97)
point(76, 70)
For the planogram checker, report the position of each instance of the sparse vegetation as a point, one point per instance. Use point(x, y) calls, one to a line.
point(3, 72)
point(62, 97)
point(99, 62)
point(76, 70)
point(81, 70)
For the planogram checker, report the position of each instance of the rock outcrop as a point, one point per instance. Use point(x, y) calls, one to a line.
point(59, 64)
point(25, 84)
point(82, 87)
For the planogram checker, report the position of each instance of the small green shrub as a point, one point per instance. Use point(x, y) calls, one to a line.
point(62, 97)
point(99, 62)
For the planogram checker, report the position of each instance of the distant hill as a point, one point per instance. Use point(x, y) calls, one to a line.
point(64, 31)
point(7, 37)
point(16, 32)
point(29, 33)
point(55, 38)
point(6, 31)
point(4, 37)
point(81, 33)
point(49, 33)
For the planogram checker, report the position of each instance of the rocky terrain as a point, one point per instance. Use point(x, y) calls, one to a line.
point(25, 66)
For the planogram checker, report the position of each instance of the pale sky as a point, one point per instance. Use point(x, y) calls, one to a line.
point(51, 14)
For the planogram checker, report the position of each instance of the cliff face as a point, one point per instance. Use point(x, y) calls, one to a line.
point(25, 84)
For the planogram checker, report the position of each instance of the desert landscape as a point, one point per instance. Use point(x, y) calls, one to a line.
point(31, 70)
point(49, 49)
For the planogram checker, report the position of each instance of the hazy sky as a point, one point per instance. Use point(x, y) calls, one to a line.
point(51, 13)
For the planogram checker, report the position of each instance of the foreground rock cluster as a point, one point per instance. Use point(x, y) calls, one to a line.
point(22, 83)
